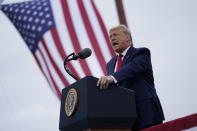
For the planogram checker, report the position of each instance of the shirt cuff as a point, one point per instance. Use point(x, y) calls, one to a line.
point(115, 81)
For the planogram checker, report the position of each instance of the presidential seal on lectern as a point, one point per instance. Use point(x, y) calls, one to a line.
point(71, 102)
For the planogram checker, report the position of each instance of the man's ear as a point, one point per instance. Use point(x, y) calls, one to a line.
point(128, 38)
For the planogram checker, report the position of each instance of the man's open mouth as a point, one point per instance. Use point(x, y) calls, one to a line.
point(114, 43)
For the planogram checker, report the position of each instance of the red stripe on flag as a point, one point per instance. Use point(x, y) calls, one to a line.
point(73, 35)
point(54, 64)
point(59, 47)
point(91, 36)
point(38, 63)
point(103, 28)
point(54, 83)
point(187, 122)
point(42, 70)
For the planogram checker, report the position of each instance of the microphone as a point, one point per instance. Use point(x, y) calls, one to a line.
point(82, 54)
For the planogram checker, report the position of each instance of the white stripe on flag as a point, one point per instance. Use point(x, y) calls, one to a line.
point(58, 92)
point(45, 71)
point(83, 38)
point(55, 55)
point(191, 129)
point(97, 30)
point(64, 34)
point(54, 74)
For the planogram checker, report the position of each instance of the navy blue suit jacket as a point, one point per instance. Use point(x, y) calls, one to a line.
point(136, 74)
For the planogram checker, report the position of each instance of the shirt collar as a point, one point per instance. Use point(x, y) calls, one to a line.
point(125, 51)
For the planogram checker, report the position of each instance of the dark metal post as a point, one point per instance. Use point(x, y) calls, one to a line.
point(121, 13)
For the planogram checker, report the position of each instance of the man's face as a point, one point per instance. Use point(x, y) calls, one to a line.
point(119, 40)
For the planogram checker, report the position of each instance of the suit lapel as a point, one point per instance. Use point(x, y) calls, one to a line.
point(112, 65)
point(129, 54)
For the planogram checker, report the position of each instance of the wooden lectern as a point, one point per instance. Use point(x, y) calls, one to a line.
point(85, 107)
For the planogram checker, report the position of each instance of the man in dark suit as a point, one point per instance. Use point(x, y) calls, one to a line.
point(132, 69)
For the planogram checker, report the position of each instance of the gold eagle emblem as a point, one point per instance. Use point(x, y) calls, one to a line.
point(71, 102)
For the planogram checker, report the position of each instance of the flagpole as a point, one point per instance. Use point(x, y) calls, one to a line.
point(121, 13)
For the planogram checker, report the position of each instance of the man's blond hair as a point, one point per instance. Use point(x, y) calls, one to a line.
point(124, 29)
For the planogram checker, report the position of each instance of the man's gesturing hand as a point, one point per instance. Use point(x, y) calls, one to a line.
point(104, 82)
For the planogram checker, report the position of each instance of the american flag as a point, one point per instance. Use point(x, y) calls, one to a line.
point(52, 29)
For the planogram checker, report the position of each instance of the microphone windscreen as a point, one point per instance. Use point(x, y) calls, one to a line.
point(85, 53)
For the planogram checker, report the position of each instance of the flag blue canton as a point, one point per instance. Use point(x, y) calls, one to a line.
point(32, 19)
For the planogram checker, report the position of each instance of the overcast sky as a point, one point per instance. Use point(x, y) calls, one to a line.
point(168, 28)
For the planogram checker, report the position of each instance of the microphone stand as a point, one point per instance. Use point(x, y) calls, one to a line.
point(67, 59)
